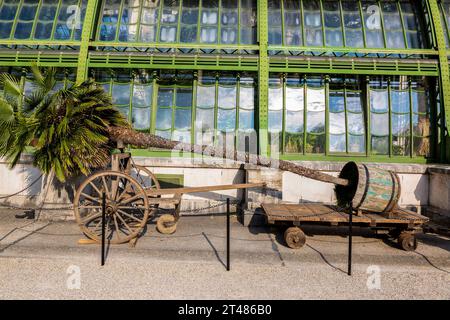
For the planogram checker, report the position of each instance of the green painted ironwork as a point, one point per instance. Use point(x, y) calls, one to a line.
point(89, 51)
point(82, 68)
point(263, 77)
point(444, 78)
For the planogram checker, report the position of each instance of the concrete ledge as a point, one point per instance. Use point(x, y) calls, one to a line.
point(440, 169)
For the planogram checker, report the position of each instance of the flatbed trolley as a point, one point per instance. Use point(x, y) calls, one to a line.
point(402, 224)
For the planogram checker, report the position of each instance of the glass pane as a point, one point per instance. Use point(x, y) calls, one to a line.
point(165, 97)
point(419, 101)
point(275, 120)
point(125, 111)
point(400, 124)
point(204, 137)
point(354, 38)
point(188, 34)
point(355, 122)
point(149, 13)
point(294, 98)
point(204, 119)
point(246, 119)
point(164, 118)
point(141, 118)
point(142, 95)
point(315, 99)
point(293, 143)
point(182, 136)
point(294, 121)
point(334, 38)
point(5, 30)
point(312, 23)
point(372, 18)
point(275, 98)
point(400, 101)
point(189, 16)
point(337, 143)
point(315, 143)
point(336, 101)
point(395, 39)
point(164, 134)
point(337, 123)
point(121, 93)
point(168, 34)
point(316, 122)
point(184, 97)
point(229, 35)
point(379, 124)
point(208, 35)
point(421, 125)
point(227, 97)
point(356, 143)
point(182, 118)
point(354, 103)
point(400, 145)
point(206, 96)
point(380, 145)
point(247, 97)
point(226, 119)
point(107, 33)
point(421, 146)
point(379, 100)
point(23, 30)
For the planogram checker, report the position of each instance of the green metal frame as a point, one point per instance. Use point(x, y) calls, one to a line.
point(259, 57)
point(444, 79)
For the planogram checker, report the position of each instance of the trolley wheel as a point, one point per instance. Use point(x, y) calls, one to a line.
point(166, 224)
point(295, 238)
point(407, 241)
point(127, 207)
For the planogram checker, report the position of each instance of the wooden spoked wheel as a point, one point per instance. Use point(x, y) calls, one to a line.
point(127, 206)
point(145, 177)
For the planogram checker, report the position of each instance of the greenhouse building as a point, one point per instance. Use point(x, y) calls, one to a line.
point(318, 82)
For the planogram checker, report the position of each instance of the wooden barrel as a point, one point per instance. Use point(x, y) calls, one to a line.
point(370, 189)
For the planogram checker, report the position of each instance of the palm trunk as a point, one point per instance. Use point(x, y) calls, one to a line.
point(146, 140)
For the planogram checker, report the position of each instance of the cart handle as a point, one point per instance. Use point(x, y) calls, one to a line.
point(157, 192)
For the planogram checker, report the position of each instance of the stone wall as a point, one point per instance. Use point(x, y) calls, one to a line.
point(422, 185)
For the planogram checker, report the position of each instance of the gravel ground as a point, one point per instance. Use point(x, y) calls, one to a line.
point(41, 260)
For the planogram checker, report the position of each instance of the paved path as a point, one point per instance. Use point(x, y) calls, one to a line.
point(43, 260)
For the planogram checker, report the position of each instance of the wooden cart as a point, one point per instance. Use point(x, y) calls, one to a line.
point(402, 224)
point(132, 197)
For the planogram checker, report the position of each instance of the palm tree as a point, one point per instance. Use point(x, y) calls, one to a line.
point(67, 127)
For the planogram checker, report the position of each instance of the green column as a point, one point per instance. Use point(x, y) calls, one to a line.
point(444, 76)
point(263, 76)
point(86, 35)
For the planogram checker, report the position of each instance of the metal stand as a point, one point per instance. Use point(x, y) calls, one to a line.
point(103, 228)
point(228, 234)
point(350, 234)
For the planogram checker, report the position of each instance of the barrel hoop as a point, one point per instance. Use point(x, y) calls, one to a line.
point(393, 196)
point(366, 187)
